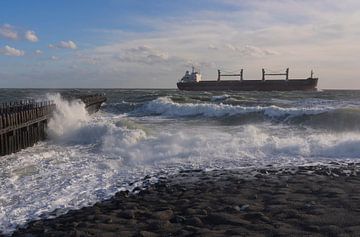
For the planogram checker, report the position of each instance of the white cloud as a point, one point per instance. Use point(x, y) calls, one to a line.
point(9, 51)
point(8, 32)
point(67, 44)
point(54, 58)
point(38, 52)
point(64, 45)
point(31, 36)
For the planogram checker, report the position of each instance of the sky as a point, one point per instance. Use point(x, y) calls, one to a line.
point(151, 43)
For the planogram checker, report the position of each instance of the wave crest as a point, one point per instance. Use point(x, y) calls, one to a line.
point(166, 107)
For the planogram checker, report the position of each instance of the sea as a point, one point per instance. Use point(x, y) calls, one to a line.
point(147, 134)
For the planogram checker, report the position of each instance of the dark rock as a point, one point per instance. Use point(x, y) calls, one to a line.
point(224, 219)
point(331, 230)
point(257, 216)
point(190, 211)
point(163, 215)
point(128, 214)
point(82, 225)
point(159, 225)
point(244, 207)
point(313, 228)
point(144, 233)
point(194, 221)
point(178, 219)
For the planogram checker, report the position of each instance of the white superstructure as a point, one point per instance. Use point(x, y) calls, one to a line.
point(193, 77)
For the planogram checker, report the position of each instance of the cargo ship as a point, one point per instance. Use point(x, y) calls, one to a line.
point(193, 82)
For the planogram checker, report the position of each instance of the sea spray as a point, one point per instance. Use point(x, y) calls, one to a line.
point(69, 116)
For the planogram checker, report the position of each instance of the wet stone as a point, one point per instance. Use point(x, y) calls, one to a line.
point(194, 221)
point(128, 214)
point(163, 215)
point(178, 219)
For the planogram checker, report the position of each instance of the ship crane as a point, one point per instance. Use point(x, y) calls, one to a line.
point(241, 75)
point(286, 74)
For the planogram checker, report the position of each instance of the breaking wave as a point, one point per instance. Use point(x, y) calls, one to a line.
point(165, 106)
point(321, 116)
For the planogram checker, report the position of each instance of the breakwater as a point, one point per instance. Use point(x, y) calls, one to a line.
point(23, 123)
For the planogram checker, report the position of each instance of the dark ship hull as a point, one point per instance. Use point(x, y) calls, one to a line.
point(308, 84)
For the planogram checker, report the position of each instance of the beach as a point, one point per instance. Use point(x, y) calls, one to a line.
point(292, 201)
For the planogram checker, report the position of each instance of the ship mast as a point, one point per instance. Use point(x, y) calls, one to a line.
point(286, 74)
point(241, 75)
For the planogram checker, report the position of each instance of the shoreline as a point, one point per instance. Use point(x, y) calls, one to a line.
point(313, 200)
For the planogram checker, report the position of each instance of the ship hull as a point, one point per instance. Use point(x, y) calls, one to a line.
point(309, 84)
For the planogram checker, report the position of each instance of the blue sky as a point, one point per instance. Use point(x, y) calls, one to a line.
point(142, 43)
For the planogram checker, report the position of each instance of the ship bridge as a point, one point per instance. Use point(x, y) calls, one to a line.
point(195, 76)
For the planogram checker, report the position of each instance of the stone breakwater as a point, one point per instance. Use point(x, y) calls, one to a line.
point(298, 201)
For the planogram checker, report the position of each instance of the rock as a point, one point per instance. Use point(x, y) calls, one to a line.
point(190, 211)
point(244, 207)
point(257, 216)
point(82, 225)
point(77, 233)
point(159, 225)
point(202, 212)
point(163, 215)
point(237, 232)
point(144, 233)
point(182, 232)
point(194, 221)
point(313, 228)
point(330, 230)
point(178, 219)
point(224, 219)
point(128, 214)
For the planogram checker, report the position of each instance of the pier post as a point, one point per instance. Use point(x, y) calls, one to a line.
point(219, 74)
point(242, 74)
point(23, 123)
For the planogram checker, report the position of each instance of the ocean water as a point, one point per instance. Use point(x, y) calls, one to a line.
point(152, 133)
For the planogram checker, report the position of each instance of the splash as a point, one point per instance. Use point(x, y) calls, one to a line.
point(67, 118)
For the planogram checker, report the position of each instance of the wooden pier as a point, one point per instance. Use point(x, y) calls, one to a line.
point(23, 123)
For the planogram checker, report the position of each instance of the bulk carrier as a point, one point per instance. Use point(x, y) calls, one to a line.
point(192, 82)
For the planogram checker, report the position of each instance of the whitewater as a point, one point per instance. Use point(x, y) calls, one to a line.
point(154, 133)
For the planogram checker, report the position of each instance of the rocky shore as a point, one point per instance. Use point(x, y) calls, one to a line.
point(294, 201)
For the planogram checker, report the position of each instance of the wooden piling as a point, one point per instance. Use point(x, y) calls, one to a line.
point(23, 123)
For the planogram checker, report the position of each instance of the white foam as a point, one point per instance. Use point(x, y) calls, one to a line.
point(166, 107)
point(220, 97)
